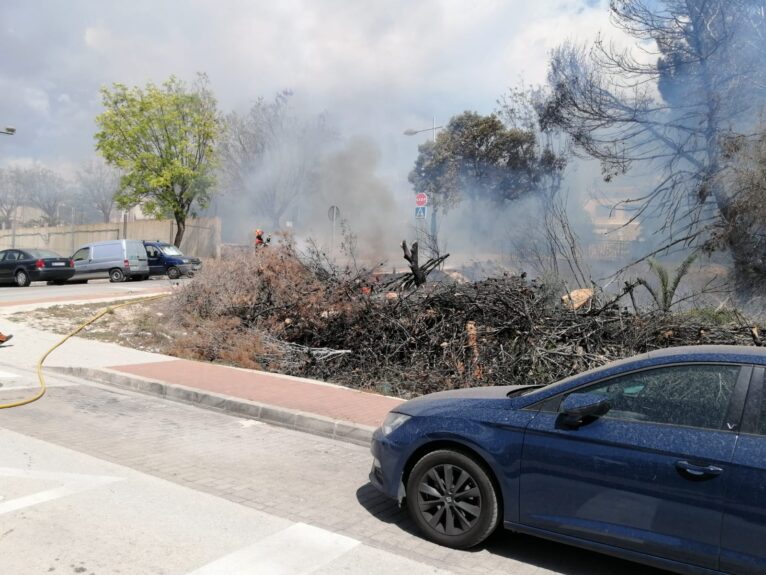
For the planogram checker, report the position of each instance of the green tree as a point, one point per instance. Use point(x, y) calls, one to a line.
point(665, 295)
point(479, 157)
point(162, 138)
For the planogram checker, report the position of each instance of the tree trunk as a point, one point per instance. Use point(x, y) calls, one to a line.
point(181, 223)
point(412, 258)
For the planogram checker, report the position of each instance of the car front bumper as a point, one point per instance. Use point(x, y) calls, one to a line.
point(185, 269)
point(387, 466)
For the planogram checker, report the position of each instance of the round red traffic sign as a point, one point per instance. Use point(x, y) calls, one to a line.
point(421, 199)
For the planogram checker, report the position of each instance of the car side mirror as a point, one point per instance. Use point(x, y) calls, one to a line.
point(579, 409)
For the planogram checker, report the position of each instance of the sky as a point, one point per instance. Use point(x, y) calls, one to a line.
point(375, 67)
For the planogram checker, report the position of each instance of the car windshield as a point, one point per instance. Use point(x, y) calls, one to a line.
point(171, 250)
point(43, 254)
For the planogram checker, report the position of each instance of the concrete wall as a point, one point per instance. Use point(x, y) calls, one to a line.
point(202, 237)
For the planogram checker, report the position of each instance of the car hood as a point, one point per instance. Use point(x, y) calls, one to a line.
point(485, 397)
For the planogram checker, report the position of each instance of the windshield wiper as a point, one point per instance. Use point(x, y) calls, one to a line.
point(523, 390)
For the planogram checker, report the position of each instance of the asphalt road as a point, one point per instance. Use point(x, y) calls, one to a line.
point(98, 480)
point(40, 292)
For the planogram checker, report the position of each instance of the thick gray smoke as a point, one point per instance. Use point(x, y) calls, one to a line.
point(282, 171)
point(349, 179)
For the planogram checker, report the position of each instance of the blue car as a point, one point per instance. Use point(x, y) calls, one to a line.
point(167, 259)
point(659, 459)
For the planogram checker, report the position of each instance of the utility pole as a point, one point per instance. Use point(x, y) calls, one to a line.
point(73, 230)
point(10, 131)
point(432, 129)
point(333, 214)
point(433, 208)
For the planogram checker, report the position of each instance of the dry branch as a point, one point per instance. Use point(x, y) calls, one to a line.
point(291, 318)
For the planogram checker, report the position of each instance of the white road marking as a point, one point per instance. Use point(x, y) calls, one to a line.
point(299, 549)
point(73, 483)
point(8, 375)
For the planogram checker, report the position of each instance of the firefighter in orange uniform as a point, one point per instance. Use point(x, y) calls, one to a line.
point(259, 239)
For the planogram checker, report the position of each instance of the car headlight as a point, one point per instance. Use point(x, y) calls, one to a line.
point(393, 421)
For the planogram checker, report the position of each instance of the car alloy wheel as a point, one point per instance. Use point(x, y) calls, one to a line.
point(174, 273)
point(116, 275)
point(449, 499)
point(22, 278)
point(452, 499)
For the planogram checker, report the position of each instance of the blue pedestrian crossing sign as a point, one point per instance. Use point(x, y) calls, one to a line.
point(420, 212)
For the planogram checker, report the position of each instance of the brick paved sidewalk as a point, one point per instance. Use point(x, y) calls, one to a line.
point(314, 397)
point(303, 404)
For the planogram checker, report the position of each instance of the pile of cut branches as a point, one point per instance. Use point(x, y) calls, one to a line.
point(280, 312)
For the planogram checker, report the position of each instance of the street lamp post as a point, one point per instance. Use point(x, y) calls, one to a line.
point(10, 131)
point(432, 129)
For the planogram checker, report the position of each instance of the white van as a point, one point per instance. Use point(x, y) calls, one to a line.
point(118, 260)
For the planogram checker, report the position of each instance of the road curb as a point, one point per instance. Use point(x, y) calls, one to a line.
point(291, 418)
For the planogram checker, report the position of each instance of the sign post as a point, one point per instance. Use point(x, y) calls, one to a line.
point(333, 213)
point(421, 201)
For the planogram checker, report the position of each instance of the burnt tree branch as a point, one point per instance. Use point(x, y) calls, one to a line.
point(411, 255)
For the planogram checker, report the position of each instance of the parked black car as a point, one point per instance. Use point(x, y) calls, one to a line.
point(23, 266)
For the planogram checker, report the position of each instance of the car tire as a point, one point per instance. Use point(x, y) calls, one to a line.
point(452, 499)
point(116, 275)
point(174, 273)
point(22, 278)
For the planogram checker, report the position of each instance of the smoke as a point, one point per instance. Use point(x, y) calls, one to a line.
point(395, 67)
point(349, 179)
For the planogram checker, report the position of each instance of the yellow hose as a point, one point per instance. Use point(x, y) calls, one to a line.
point(74, 332)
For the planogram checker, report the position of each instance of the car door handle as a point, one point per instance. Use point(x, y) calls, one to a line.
point(698, 471)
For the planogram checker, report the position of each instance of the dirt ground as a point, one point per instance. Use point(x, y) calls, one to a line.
point(141, 326)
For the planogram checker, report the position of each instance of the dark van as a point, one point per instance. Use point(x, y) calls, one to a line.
point(167, 259)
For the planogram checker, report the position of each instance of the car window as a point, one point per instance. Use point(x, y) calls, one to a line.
point(43, 254)
point(691, 395)
point(171, 250)
point(151, 251)
point(108, 251)
point(761, 427)
point(81, 254)
point(11, 255)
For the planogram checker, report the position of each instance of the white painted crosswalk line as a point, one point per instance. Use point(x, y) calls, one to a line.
point(72, 483)
point(299, 549)
point(371, 561)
